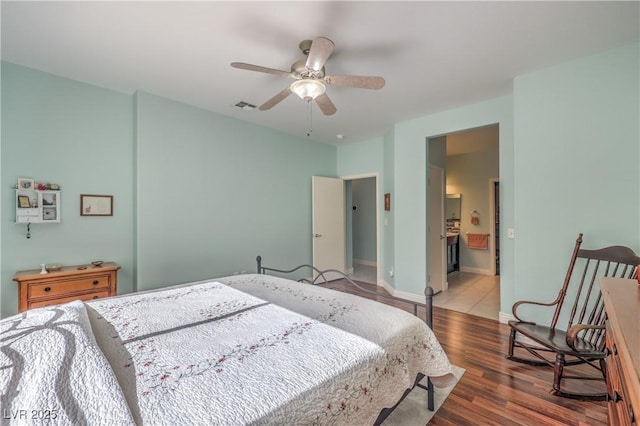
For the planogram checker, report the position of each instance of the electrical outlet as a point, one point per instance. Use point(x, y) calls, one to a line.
point(511, 233)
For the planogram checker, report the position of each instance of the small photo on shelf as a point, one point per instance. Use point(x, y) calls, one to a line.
point(23, 202)
point(48, 199)
point(26, 183)
point(48, 213)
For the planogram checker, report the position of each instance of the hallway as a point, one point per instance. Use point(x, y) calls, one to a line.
point(364, 273)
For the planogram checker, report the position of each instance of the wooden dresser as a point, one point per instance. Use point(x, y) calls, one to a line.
point(622, 303)
point(65, 285)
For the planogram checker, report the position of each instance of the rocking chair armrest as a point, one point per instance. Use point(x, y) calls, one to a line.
point(528, 302)
point(574, 330)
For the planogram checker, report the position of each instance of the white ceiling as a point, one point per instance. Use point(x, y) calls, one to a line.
point(433, 55)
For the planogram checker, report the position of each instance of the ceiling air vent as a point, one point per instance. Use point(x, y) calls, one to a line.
point(245, 106)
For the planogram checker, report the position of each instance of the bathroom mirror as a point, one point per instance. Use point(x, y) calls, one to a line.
point(452, 207)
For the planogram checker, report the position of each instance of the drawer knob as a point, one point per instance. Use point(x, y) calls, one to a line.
point(47, 289)
point(95, 282)
point(95, 297)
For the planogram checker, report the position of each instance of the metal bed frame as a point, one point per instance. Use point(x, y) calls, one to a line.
point(322, 279)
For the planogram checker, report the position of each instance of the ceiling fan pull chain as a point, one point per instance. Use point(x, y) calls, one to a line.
point(310, 119)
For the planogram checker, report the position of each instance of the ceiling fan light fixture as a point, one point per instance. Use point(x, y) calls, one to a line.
point(308, 89)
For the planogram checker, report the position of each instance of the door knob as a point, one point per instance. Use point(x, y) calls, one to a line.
point(442, 237)
point(316, 235)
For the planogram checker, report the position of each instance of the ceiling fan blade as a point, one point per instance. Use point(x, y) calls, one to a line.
point(326, 106)
point(320, 51)
point(357, 81)
point(250, 67)
point(275, 100)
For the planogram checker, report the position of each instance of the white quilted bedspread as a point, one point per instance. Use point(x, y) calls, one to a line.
point(249, 349)
point(53, 373)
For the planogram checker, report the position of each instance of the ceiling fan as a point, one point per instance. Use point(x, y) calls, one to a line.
point(311, 78)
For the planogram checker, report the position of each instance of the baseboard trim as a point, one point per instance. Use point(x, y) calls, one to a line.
point(402, 294)
point(382, 283)
point(410, 296)
point(505, 318)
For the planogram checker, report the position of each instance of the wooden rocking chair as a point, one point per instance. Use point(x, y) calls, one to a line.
point(582, 341)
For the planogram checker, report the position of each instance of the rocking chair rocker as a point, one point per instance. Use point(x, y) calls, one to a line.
point(582, 340)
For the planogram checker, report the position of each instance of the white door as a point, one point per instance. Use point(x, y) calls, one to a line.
point(328, 223)
point(437, 237)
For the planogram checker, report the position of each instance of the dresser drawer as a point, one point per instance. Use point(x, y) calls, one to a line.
point(57, 301)
point(49, 289)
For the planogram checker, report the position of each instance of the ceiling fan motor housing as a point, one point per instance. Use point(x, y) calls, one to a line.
point(299, 68)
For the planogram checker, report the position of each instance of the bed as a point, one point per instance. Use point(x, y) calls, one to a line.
point(244, 349)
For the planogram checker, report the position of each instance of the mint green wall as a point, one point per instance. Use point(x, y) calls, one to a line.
point(80, 137)
point(388, 217)
point(214, 192)
point(469, 174)
point(576, 161)
point(360, 158)
point(410, 203)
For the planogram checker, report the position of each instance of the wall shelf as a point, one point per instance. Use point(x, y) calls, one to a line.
point(36, 206)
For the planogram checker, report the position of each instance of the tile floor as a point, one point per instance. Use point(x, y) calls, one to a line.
point(473, 294)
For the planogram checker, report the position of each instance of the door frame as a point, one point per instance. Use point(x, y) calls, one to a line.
point(492, 226)
point(376, 176)
point(441, 225)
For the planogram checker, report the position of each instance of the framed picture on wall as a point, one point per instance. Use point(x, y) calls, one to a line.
point(96, 205)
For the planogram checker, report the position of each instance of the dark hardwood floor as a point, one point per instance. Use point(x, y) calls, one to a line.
point(494, 390)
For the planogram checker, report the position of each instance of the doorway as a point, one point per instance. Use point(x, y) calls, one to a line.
point(362, 225)
point(470, 159)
